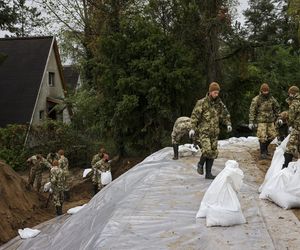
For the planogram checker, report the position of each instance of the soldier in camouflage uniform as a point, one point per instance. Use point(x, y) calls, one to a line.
point(98, 167)
point(57, 179)
point(64, 165)
point(281, 126)
point(208, 113)
point(95, 176)
point(264, 111)
point(292, 147)
point(181, 128)
point(37, 163)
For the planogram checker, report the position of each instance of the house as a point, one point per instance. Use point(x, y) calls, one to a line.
point(32, 83)
point(72, 78)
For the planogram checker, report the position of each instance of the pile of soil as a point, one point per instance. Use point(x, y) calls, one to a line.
point(20, 208)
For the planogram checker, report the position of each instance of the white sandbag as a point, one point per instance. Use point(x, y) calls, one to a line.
point(106, 177)
point(228, 217)
point(28, 233)
point(187, 150)
point(75, 210)
point(220, 204)
point(86, 172)
point(276, 165)
point(285, 188)
point(47, 187)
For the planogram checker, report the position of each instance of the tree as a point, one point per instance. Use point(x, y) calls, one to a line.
point(7, 15)
point(28, 19)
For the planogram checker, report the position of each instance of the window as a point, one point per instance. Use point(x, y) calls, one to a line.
point(51, 78)
point(41, 114)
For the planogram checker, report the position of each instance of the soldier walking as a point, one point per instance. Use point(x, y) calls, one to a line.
point(208, 113)
point(264, 111)
point(292, 147)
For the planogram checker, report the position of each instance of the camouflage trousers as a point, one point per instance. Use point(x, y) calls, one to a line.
point(67, 181)
point(58, 197)
point(96, 179)
point(293, 144)
point(266, 132)
point(209, 145)
point(35, 174)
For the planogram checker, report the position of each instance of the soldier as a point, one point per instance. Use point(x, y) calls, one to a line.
point(281, 126)
point(292, 147)
point(64, 165)
point(264, 111)
point(37, 163)
point(101, 166)
point(206, 116)
point(182, 126)
point(95, 175)
point(57, 179)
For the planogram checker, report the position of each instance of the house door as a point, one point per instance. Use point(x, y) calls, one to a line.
point(52, 113)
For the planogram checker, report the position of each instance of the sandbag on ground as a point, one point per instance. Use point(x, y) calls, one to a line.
point(220, 204)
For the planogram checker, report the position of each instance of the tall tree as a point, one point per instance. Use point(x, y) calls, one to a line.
point(29, 19)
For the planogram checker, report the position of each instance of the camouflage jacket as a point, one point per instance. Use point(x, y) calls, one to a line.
point(39, 164)
point(96, 158)
point(102, 166)
point(294, 113)
point(57, 178)
point(208, 114)
point(263, 109)
point(64, 163)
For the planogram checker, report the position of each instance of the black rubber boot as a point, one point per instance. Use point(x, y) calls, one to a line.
point(209, 163)
point(201, 165)
point(95, 189)
point(175, 149)
point(263, 151)
point(67, 195)
point(58, 210)
point(287, 159)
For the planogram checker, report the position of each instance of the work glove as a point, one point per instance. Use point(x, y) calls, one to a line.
point(251, 126)
point(191, 133)
point(229, 128)
point(279, 122)
point(290, 129)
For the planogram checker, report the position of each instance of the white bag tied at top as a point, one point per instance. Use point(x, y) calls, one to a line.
point(220, 204)
point(283, 188)
point(275, 167)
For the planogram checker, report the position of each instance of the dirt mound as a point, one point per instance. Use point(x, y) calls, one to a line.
point(19, 208)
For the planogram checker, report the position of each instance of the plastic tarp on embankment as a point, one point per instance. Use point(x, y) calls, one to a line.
point(153, 206)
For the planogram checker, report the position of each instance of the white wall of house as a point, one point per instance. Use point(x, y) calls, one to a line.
point(46, 90)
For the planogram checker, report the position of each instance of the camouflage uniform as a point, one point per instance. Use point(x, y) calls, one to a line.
point(294, 121)
point(101, 166)
point(95, 175)
point(64, 165)
point(264, 111)
point(52, 156)
point(181, 128)
point(36, 171)
point(57, 179)
point(282, 129)
point(205, 119)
